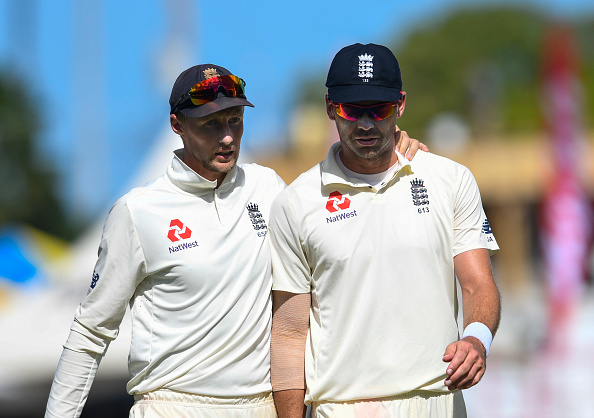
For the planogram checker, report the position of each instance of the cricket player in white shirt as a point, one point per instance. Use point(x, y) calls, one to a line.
point(188, 252)
point(366, 249)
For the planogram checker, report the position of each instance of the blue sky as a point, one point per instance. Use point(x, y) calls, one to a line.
point(101, 71)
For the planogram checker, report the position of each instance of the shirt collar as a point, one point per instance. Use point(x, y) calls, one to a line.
point(189, 181)
point(332, 173)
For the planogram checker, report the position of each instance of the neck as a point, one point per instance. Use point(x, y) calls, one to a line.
point(220, 180)
point(374, 165)
point(203, 172)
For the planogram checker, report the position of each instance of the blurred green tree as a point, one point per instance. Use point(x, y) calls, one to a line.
point(27, 182)
point(481, 64)
point(585, 39)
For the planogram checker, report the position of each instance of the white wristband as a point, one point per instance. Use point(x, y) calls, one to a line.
point(481, 332)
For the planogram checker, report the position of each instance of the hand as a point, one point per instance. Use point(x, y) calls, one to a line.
point(468, 362)
point(404, 143)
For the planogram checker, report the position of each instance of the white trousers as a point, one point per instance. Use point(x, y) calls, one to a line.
point(417, 404)
point(171, 404)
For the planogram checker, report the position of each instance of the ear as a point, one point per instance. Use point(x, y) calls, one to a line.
point(329, 109)
point(176, 124)
point(401, 104)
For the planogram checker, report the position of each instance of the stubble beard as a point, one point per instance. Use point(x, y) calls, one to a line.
point(214, 167)
point(372, 153)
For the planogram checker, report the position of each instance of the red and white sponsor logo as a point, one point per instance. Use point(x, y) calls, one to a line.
point(178, 231)
point(337, 201)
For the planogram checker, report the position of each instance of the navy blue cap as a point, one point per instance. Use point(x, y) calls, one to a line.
point(364, 72)
point(192, 76)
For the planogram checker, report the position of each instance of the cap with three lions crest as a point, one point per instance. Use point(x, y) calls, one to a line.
point(364, 72)
point(192, 76)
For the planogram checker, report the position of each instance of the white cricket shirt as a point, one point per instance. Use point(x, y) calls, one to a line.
point(379, 266)
point(193, 263)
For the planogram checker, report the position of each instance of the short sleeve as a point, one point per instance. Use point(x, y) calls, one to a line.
point(290, 269)
point(471, 227)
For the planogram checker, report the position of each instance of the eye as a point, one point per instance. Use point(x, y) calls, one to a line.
point(235, 120)
point(212, 123)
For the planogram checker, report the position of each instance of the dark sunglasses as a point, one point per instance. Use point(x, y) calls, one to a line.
point(352, 112)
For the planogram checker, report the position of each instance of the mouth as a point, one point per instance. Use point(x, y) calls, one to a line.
point(225, 155)
point(366, 141)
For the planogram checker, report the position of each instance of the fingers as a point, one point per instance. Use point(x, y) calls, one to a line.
point(399, 146)
point(472, 377)
point(412, 150)
point(467, 363)
point(449, 353)
point(406, 145)
point(464, 379)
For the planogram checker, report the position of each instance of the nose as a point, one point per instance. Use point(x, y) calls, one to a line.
point(226, 140)
point(365, 122)
point(227, 136)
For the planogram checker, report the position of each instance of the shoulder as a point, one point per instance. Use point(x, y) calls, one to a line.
point(137, 197)
point(438, 165)
point(433, 160)
point(305, 188)
point(312, 178)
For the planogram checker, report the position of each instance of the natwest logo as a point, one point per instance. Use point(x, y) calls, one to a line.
point(337, 201)
point(178, 231)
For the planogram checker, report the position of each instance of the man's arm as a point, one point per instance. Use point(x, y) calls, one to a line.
point(290, 324)
point(72, 383)
point(481, 303)
point(120, 267)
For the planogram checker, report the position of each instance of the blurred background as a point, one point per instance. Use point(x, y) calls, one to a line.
point(503, 87)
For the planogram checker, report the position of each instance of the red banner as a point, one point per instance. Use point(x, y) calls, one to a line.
point(566, 219)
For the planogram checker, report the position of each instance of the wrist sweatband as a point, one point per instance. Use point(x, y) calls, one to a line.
point(481, 332)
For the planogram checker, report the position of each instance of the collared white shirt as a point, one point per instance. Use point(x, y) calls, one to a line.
point(379, 265)
point(192, 261)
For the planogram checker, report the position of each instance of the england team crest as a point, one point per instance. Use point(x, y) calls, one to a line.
point(257, 219)
point(419, 192)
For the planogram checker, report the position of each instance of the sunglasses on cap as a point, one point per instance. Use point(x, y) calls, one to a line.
point(352, 112)
point(207, 90)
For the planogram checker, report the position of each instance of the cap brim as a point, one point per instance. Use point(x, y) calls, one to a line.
point(350, 94)
point(220, 103)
